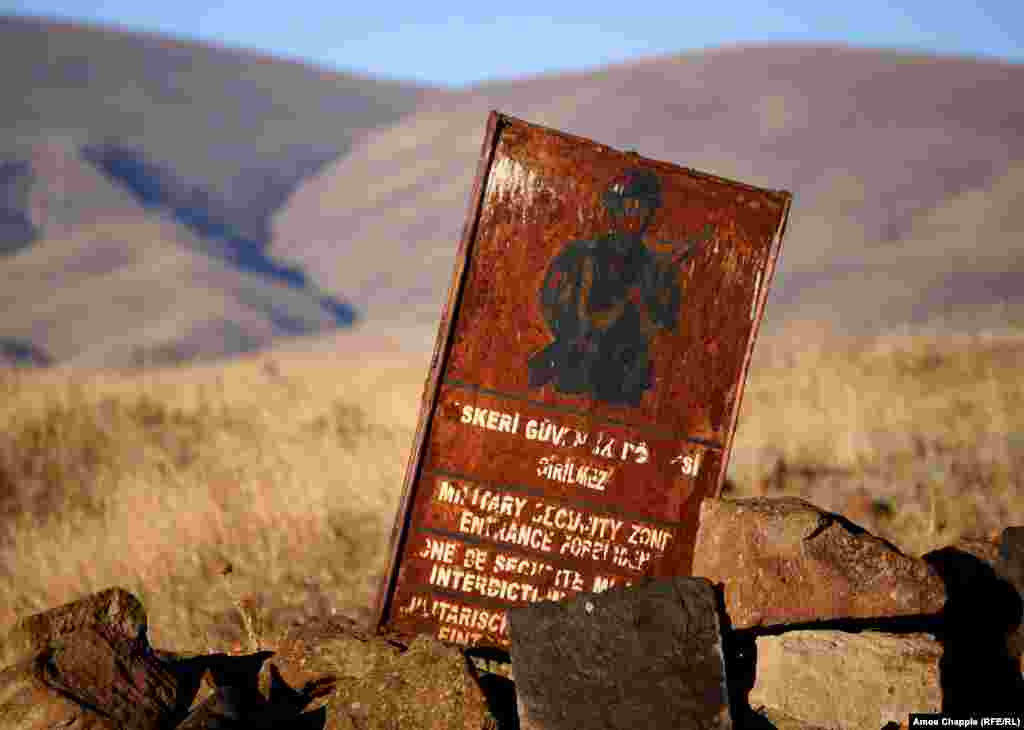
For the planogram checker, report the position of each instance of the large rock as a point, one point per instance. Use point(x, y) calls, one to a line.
point(102, 668)
point(86, 664)
point(29, 703)
point(89, 678)
point(848, 681)
point(89, 666)
point(646, 656)
point(115, 610)
point(784, 561)
point(380, 684)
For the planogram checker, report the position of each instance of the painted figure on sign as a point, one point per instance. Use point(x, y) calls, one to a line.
point(603, 299)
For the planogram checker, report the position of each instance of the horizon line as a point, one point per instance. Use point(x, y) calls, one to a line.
point(263, 54)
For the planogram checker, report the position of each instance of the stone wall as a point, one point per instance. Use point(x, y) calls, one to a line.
point(796, 618)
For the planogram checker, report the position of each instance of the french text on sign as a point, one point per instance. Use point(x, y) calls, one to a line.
point(489, 586)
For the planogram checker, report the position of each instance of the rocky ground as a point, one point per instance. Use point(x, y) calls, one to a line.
point(823, 625)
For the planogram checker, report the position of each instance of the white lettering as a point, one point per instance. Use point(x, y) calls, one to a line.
point(569, 472)
point(513, 533)
point(490, 419)
point(442, 550)
point(521, 566)
point(651, 537)
point(602, 583)
point(448, 492)
point(459, 579)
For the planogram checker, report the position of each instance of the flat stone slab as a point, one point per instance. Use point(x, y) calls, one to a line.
point(645, 656)
point(848, 681)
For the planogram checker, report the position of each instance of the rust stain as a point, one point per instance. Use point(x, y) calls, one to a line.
point(584, 389)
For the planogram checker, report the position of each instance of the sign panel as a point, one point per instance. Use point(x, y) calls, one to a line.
point(585, 384)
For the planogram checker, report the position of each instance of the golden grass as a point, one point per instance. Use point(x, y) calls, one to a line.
point(288, 473)
point(235, 499)
point(918, 438)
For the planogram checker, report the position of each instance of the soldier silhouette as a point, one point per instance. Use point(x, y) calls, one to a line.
point(604, 298)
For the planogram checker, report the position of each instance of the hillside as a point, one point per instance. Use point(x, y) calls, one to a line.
point(906, 171)
point(163, 200)
point(238, 128)
point(143, 170)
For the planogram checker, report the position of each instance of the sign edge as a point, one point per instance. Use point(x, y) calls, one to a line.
point(431, 387)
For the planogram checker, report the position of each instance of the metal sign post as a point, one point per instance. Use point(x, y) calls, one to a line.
point(585, 384)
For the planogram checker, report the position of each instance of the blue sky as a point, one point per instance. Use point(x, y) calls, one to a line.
point(462, 42)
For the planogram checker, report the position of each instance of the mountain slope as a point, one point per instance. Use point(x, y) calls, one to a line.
point(137, 177)
point(110, 282)
point(243, 127)
point(906, 172)
point(163, 200)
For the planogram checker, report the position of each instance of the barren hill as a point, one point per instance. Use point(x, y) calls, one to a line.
point(237, 127)
point(166, 200)
point(138, 174)
point(908, 173)
point(110, 282)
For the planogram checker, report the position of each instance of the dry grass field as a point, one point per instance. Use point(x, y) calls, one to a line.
point(288, 468)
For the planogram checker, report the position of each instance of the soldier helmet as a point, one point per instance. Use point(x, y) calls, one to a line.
point(635, 184)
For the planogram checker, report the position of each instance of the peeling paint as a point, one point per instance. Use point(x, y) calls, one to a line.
point(581, 400)
point(511, 180)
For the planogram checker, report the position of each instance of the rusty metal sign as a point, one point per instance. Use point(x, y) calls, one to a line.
point(585, 383)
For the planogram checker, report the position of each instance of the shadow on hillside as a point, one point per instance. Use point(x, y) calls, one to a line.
point(16, 229)
point(156, 186)
point(18, 352)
